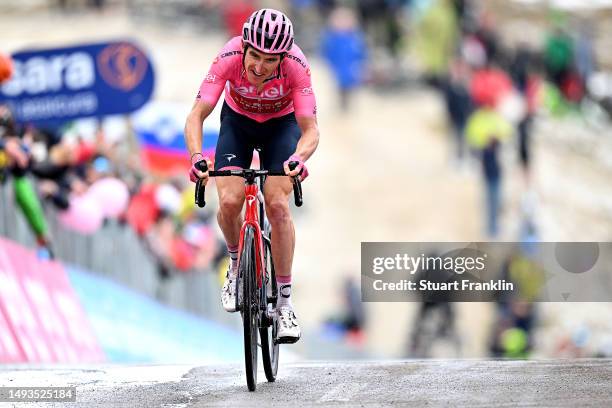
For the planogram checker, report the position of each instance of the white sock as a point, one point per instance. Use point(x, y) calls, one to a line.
point(284, 291)
point(233, 253)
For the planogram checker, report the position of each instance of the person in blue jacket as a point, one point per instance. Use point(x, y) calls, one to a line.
point(345, 49)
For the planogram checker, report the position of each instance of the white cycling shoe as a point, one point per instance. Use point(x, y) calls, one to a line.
point(288, 327)
point(228, 293)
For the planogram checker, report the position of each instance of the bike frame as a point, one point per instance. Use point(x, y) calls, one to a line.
point(251, 218)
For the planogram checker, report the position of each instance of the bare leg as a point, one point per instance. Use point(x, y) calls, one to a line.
point(231, 200)
point(276, 193)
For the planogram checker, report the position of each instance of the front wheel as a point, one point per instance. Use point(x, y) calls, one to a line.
point(250, 307)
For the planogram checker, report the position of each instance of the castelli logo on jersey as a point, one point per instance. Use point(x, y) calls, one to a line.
point(296, 59)
point(210, 78)
point(272, 92)
point(307, 91)
point(230, 53)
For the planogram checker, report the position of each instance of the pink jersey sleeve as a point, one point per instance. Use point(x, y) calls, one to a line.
point(220, 71)
point(304, 102)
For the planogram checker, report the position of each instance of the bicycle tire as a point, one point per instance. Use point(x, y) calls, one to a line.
point(267, 334)
point(250, 307)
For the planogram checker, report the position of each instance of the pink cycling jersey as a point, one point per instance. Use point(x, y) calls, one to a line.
point(292, 92)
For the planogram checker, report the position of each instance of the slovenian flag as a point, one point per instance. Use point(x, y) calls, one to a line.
point(159, 127)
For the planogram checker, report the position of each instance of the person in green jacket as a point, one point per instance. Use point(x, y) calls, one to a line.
point(15, 159)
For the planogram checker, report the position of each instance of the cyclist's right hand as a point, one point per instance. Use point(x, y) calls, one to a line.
point(194, 173)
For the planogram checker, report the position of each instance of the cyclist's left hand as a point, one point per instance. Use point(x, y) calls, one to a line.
point(195, 174)
point(300, 169)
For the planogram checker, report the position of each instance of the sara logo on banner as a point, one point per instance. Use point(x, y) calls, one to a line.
point(122, 66)
point(75, 82)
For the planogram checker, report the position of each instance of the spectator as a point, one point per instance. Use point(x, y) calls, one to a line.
point(350, 322)
point(379, 18)
point(458, 103)
point(97, 4)
point(436, 39)
point(6, 67)
point(344, 48)
point(17, 162)
point(488, 37)
point(485, 131)
point(585, 54)
point(558, 56)
point(512, 335)
point(435, 319)
point(235, 13)
point(526, 83)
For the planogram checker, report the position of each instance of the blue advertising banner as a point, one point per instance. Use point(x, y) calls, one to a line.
point(62, 84)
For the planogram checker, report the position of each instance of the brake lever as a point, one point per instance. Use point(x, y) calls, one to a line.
point(297, 185)
point(200, 188)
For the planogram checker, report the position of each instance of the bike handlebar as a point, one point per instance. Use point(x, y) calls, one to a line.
point(249, 174)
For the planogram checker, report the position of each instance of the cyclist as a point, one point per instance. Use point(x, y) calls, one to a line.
point(270, 105)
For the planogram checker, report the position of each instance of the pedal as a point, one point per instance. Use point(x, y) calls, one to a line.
point(271, 312)
point(286, 340)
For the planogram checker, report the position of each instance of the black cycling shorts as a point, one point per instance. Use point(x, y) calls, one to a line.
point(239, 136)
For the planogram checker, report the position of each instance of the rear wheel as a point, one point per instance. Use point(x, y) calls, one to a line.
point(269, 350)
point(250, 307)
point(267, 333)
